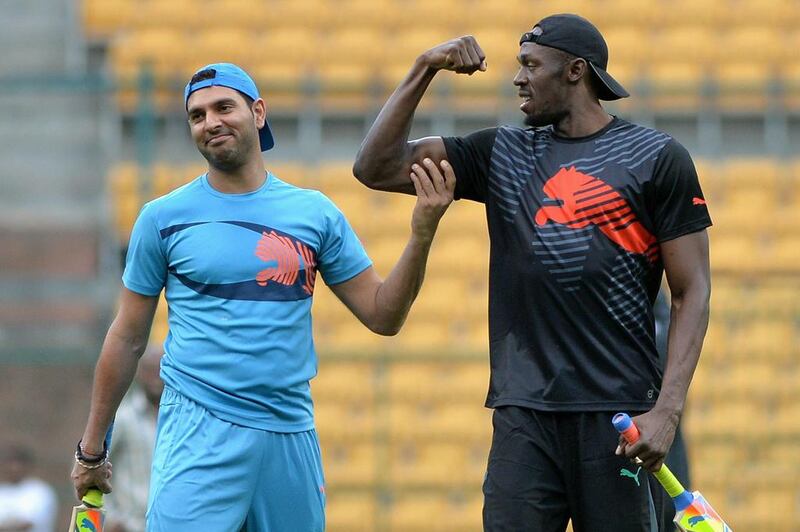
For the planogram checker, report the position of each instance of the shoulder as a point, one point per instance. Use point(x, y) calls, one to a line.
point(298, 196)
point(623, 132)
point(179, 197)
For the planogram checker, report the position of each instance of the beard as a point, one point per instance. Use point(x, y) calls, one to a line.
point(226, 158)
point(541, 119)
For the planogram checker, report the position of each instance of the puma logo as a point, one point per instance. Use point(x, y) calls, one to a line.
point(635, 476)
point(585, 200)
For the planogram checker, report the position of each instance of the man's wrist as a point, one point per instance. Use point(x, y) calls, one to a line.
point(88, 460)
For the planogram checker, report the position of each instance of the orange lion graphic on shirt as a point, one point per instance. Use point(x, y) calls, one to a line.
point(587, 200)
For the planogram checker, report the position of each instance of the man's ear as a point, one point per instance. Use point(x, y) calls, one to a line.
point(577, 69)
point(260, 112)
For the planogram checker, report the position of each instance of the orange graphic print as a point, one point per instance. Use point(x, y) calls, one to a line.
point(698, 201)
point(587, 200)
point(287, 254)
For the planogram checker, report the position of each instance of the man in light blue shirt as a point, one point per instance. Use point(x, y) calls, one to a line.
point(237, 251)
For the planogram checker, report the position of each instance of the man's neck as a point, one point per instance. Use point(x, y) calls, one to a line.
point(583, 121)
point(246, 178)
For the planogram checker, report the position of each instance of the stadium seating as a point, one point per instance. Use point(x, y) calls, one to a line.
point(403, 432)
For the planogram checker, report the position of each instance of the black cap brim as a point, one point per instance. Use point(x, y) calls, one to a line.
point(610, 89)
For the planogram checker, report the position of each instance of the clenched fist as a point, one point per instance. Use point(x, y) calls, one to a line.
point(462, 55)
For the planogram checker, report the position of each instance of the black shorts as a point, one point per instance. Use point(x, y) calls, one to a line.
point(548, 467)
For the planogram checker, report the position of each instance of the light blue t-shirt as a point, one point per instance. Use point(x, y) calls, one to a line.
point(239, 273)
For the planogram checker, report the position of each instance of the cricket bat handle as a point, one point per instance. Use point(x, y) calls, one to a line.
point(89, 516)
point(625, 426)
point(93, 498)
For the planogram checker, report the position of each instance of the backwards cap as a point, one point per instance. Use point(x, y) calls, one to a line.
point(579, 37)
point(233, 77)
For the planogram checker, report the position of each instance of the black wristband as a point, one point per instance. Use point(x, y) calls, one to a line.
point(83, 458)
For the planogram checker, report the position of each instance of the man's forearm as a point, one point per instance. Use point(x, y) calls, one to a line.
point(385, 151)
point(688, 325)
point(399, 290)
point(113, 375)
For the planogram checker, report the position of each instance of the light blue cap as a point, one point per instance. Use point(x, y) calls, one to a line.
point(233, 77)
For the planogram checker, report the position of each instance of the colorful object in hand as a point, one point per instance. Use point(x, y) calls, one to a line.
point(89, 516)
point(692, 512)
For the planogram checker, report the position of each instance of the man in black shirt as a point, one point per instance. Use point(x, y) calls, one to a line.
point(585, 212)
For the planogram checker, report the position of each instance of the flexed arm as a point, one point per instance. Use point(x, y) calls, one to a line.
point(385, 157)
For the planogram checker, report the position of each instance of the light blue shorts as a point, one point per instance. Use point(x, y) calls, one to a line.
point(215, 476)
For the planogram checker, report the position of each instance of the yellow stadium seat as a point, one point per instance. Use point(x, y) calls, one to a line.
point(734, 253)
point(378, 14)
point(420, 335)
point(281, 84)
point(765, 339)
point(179, 15)
point(436, 464)
point(445, 15)
point(286, 45)
point(224, 45)
point(676, 84)
point(722, 419)
point(438, 381)
point(464, 218)
point(292, 172)
point(437, 421)
point(164, 50)
point(385, 252)
point(752, 173)
point(756, 43)
point(685, 43)
point(627, 46)
point(743, 83)
point(406, 45)
point(337, 175)
point(355, 45)
point(467, 256)
point(786, 254)
point(310, 14)
point(238, 14)
point(454, 511)
point(515, 15)
point(703, 13)
point(343, 380)
point(350, 512)
point(103, 18)
point(348, 463)
point(715, 456)
point(624, 14)
point(342, 421)
point(774, 14)
point(411, 514)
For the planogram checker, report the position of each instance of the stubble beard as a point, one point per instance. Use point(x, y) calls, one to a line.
point(226, 160)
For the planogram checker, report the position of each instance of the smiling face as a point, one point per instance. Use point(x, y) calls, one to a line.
point(224, 126)
point(543, 84)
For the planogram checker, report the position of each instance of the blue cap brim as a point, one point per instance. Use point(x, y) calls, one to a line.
point(265, 136)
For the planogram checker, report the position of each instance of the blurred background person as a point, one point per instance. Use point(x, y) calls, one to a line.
point(28, 503)
point(132, 446)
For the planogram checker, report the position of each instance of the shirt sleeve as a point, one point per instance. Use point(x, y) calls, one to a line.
point(146, 262)
point(341, 256)
point(470, 157)
point(680, 207)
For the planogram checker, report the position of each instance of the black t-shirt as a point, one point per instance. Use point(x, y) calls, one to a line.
point(575, 226)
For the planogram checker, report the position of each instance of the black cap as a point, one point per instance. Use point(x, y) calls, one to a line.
point(579, 37)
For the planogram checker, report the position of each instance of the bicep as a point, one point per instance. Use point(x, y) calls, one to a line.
point(135, 315)
point(686, 263)
point(358, 294)
point(416, 151)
